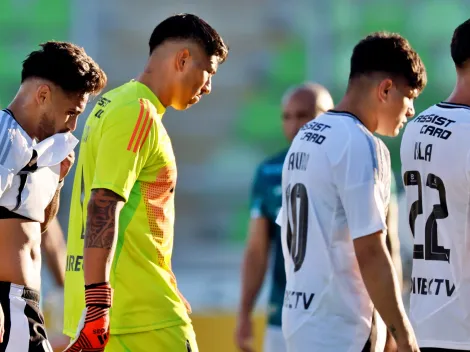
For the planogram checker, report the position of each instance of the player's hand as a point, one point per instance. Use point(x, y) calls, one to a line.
point(93, 329)
point(66, 165)
point(2, 324)
point(244, 334)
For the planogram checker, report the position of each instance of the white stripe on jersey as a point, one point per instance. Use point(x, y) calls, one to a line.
point(7, 124)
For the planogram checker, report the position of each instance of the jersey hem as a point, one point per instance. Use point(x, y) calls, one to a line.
point(138, 329)
point(444, 344)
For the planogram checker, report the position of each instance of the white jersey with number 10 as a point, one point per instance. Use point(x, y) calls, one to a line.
point(336, 188)
point(435, 156)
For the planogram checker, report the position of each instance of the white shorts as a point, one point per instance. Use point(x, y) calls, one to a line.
point(274, 339)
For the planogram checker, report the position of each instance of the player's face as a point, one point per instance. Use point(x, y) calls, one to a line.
point(60, 112)
point(396, 108)
point(195, 80)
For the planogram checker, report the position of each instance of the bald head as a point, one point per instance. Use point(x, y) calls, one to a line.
point(301, 104)
point(311, 95)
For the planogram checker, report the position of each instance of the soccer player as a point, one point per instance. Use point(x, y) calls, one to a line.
point(299, 105)
point(336, 190)
point(435, 156)
point(121, 231)
point(36, 153)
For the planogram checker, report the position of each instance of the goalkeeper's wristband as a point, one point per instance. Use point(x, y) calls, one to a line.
point(98, 297)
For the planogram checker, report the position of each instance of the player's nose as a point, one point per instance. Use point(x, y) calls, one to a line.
point(71, 125)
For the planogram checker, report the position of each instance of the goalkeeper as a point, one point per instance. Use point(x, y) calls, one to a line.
point(127, 173)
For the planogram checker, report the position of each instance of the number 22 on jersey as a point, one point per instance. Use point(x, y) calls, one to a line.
point(430, 250)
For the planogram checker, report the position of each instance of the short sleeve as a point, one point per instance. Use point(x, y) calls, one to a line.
point(360, 187)
point(279, 216)
point(258, 207)
point(128, 139)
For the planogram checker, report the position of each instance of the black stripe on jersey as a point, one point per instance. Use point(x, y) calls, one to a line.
point(447, 105)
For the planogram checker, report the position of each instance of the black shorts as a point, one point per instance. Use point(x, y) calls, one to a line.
point(24, 322)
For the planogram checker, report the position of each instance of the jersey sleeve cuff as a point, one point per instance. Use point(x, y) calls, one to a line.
point(118, 190)
point(355, 234)
point(279, 217)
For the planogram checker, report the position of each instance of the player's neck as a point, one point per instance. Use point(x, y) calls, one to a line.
point(157, 86)
point(461, 92)
point(359, 108)
point(20, 113)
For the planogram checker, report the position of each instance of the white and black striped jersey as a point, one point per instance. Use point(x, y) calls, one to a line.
point(336, 188)
point(29, 171)
point(435, 157)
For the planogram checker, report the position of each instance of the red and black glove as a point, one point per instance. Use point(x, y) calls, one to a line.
point(93, 329)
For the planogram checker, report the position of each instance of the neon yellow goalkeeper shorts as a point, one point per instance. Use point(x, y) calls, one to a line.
point(180, 338)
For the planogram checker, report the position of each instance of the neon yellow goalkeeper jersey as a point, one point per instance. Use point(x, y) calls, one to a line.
point(126, 149)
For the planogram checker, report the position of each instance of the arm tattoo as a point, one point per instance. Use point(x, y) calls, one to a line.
point(102, 219)
point(51, 211)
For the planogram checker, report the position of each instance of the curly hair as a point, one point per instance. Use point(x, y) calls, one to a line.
point(66, 65)
point(388, 53)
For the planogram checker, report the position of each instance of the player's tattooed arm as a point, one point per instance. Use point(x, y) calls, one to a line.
point(102, 218)
point(101, 234)
point(51, 210)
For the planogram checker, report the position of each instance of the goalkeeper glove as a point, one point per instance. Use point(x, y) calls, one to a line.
point(93, 329)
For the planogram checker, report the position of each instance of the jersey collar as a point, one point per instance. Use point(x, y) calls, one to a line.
point(447, 105)
point(153, 98)
point(344, 113)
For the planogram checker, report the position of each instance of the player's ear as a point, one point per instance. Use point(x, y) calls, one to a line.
point(182, 59)
point(384, 89)
point(43, 94)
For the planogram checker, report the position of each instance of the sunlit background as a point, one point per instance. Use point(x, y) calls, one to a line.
point(218, 143)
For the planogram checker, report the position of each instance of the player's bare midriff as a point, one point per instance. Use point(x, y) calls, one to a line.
point(20, 252)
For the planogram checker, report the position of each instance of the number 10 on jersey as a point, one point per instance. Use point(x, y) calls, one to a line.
point(297, 223)
point(431, 250)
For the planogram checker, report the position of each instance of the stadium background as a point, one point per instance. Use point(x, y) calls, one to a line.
point(218, 143)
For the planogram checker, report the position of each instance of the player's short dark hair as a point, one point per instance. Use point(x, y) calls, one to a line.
point(460, 45)
point(388, 53)
point(66, 65)
point(187, 26)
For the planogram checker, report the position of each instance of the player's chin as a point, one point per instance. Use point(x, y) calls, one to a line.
point(389, 132)
point(187, 105)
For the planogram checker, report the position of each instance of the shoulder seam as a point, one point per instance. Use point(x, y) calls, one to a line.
point(141, 128)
